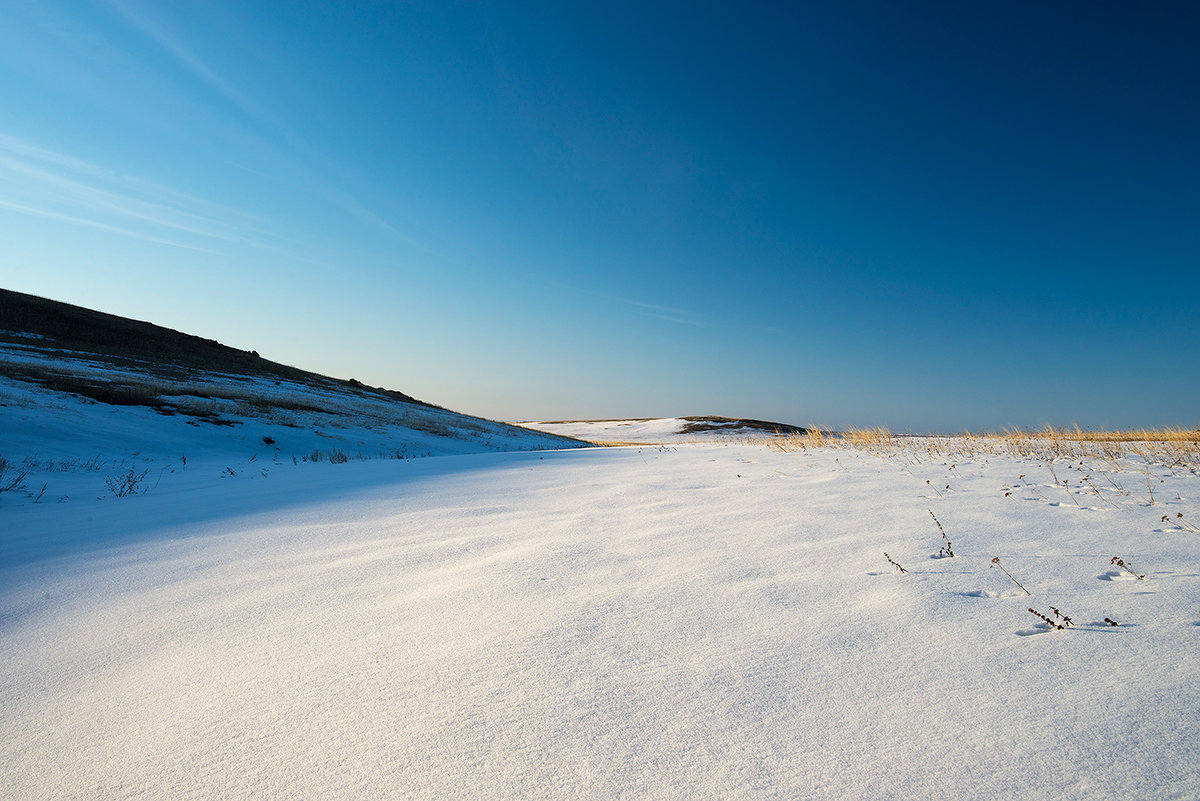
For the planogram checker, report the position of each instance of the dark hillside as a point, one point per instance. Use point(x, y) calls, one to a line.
point(158, 350)
point(710, 423)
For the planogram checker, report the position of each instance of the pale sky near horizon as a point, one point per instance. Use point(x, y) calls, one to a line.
point(930, 216)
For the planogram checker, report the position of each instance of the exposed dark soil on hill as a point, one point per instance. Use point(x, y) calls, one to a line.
point(697, 424)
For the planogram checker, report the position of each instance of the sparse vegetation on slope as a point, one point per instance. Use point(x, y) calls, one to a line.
point(111, 360)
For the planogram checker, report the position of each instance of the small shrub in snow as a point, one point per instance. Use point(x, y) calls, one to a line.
point(996, 563)
point(1119, 562)
point(125, 484)
point(894, 563)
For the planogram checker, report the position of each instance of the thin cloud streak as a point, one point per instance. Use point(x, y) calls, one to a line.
point(668, 313)
point(102, 201)
point(55, 215)
point(197, 66)
point(260, 114)
point(32, 154)
point(197, 215)
point(670, 319)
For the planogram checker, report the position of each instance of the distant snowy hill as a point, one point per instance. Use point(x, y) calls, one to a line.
point(662, 429)
point(78, 384)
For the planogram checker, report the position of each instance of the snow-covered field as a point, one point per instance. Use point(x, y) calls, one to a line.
point(690, 621)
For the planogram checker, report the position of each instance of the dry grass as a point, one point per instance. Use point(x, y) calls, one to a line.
point(812, 437)
point(1179, 446)
point(1175, 444)
point(819, 437)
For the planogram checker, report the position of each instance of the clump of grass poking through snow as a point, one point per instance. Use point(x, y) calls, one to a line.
point(12, 483)
point(894, 563)
point(996, 563)
point(945, 549)
point(1119, 562)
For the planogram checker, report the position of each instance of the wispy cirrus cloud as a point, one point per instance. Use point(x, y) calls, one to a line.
point(658, 311)
point(668, 313)
point(84, 196)
point(195, 65)
point(299, 154)
point(63, 187)
point(103, 194)
point(36, 161)
point(54, 215)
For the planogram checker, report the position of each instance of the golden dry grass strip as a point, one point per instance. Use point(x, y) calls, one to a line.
point(1177, 445)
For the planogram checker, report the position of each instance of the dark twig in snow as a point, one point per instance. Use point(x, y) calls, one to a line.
point(996, 563)
point(945, 550)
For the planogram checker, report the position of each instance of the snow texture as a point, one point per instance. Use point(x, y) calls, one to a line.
point(698, 621)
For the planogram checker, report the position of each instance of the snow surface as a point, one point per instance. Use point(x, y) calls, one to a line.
point(698, 621)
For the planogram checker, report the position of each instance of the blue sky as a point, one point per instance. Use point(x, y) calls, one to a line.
point(928, 216)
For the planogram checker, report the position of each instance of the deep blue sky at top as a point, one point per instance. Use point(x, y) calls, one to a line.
point(930, 215)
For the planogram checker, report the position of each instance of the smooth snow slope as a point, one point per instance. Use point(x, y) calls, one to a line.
point(700, 622)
